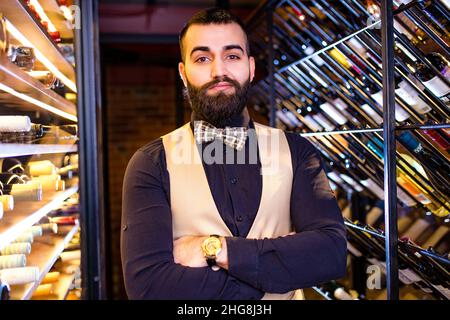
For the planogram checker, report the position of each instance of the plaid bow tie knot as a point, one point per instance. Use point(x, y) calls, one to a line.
point(234, 137)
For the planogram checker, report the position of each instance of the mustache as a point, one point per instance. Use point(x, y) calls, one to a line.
point(217, 80)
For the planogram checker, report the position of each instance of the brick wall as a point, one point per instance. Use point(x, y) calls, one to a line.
point(140, 106)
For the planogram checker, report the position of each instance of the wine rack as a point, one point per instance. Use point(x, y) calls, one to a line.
point(322, 69)
point(38, 84)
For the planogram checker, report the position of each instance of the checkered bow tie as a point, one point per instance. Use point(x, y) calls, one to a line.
point(234, 137)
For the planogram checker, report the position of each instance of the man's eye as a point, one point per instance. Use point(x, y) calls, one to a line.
point(233, 57)
point(201, 59)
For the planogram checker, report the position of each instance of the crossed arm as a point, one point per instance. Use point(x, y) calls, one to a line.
point(156, 267)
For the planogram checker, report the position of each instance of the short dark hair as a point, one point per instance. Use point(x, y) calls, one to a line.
point(212, 16)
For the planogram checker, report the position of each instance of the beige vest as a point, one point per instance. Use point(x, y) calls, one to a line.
point(194, 211)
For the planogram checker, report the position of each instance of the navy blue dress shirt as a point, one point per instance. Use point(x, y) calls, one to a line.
point(315, 254)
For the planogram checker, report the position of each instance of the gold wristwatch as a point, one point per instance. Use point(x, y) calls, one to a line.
point(211, 247)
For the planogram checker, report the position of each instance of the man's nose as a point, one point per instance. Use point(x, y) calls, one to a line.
point(218, 69)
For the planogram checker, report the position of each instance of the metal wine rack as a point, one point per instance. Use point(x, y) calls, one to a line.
point(282, 34)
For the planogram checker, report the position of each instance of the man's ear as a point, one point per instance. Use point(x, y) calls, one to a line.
point(251, 60)
point(182, 73)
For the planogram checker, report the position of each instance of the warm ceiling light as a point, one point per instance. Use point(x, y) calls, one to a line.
point(38, 73)
point(40, 11)
point(66, 13)
point(37, 103)
point(42, 58)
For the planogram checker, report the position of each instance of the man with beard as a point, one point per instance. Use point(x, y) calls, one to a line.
point(199, 224)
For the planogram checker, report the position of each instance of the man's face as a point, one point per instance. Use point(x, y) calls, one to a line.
point(217, 70)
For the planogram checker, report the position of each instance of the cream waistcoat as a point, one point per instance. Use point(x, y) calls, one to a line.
point(194, 211)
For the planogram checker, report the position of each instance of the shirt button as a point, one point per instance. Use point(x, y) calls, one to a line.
point(239, 219)
point(233, 181)
point(124, 228)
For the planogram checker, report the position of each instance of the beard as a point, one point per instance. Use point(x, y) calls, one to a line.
point(217, 109)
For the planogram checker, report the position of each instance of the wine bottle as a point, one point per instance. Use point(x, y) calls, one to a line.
point(70, 255)
point(16, 248)
point(51, 182)
point(407, 182)
point(11, 165)
point(24, 237)
point(62, 221)
point(30, 191)
point(36, 231)
point(439, 168)
point(13, 261)
point(407, 92)
point(49, 227)
point(417, 228)
point(43, 167)
point(377, 95)
point(12, 178)
point(437, 236)
point(430, 80)
point(438, 136)
point(23, 275)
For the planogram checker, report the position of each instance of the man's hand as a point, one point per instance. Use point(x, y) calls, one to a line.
point(187, 251)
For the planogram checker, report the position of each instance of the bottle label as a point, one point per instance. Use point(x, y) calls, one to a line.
point(317, 60)
point(368, 109)
point(408, 276)
point(352, 182)
point(400, 113)
point(372, 186)
point(333, 113)
point(408, 94)
point(324, 122)
point(406, 199)
point(333, 176)
point(311, 123)
point(438, 87)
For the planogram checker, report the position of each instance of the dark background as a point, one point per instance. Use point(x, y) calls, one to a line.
point(141, 93)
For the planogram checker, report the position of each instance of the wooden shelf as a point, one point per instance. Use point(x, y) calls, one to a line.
point(51, 8)
point(18, 149)
point(44, 255)
point(27, 213)
point(61, 288)
point(22, 83)
point(18, 14)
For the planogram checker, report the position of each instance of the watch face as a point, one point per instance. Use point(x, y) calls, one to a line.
point(212, 246)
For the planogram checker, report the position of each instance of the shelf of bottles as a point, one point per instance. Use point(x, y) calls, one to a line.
point(39, 212)
point(327, 86)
